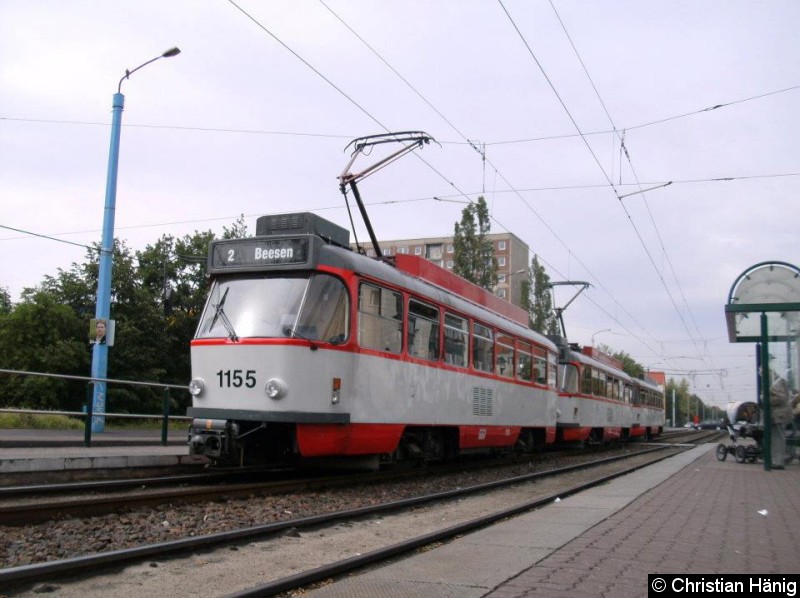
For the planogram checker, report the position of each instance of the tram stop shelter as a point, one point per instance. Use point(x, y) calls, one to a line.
point(764, 307)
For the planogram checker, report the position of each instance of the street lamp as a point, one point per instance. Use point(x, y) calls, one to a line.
point(598, 332)
point(103, 309)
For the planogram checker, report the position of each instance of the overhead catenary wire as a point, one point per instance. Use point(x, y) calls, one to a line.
point(636, 177)
point(336, 136)
point(402, 201)
point(338, 89)
point(515, 179)
point(48, 237)
point(599, 165)
point(377, 121)
point(481, 151)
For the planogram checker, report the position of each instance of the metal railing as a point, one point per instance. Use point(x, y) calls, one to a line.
point(88, 415)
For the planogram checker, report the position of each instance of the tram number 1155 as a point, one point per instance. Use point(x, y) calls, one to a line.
point(236, 378)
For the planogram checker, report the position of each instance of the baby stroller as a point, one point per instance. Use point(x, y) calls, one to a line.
point(743, 422)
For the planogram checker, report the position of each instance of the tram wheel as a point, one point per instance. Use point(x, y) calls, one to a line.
point(740, 454)
point(722, 452)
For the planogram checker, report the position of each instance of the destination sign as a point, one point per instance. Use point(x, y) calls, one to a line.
point(255, 253)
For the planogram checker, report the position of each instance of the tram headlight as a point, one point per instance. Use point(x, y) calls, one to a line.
point(276, 388)
point(196, 387)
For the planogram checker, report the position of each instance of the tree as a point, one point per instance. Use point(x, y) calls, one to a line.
point(174, 271)
point(473, 252)
point(158, 294)
point(537, 300)
point(629, 365)
point(42, 334)
point(238, 230)
point(685, 401)
point(5, 301)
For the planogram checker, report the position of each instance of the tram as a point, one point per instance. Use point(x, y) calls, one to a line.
point(309, 350)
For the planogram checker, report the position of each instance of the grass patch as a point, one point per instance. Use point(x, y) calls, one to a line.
point(30, 421)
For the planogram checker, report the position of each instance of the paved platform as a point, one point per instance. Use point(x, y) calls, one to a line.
point(688, 514)
point(23, 451)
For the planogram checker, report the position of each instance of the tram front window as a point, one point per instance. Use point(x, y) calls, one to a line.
point(569, 378)
point(311, 307)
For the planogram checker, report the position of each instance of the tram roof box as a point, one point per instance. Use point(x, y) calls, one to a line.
point(303, 223)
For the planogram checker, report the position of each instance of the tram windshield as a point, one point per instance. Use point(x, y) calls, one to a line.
point(312, 307)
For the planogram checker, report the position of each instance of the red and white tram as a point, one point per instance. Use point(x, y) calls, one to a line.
point(647, 411)
point(308, 349)
point(598, 402)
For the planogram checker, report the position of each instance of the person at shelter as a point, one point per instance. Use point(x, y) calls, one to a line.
point(781, 415)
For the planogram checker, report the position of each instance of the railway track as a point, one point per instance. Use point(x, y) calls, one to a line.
point(21, 505)
point(91, 562)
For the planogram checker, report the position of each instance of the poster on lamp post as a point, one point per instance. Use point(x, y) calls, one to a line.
point(101, 332)
point(101, 336)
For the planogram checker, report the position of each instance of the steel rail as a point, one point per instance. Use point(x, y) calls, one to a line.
point(338, 568)
point(22, 513)
point(38, 571)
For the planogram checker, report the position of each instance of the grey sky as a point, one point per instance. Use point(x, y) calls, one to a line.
point(237, 124)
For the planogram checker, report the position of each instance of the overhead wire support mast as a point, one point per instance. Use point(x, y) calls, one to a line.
point(411, 140)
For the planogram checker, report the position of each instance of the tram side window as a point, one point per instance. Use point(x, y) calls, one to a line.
point(423, 331)
point(628, 393)
point(552, 368)
point(482, 348)
point(380, 318)
point(504, 366)
point(613, 388)
point(524, 361)
point(456, 340)
point(599, 383)
point(539, 365)
point(586, 382)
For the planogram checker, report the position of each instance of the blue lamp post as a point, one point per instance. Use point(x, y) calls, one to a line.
point(102, 312)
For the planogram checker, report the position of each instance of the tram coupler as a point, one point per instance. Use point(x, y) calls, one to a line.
point(213, 438)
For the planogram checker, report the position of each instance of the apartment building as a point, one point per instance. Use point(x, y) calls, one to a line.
point(510, 252)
